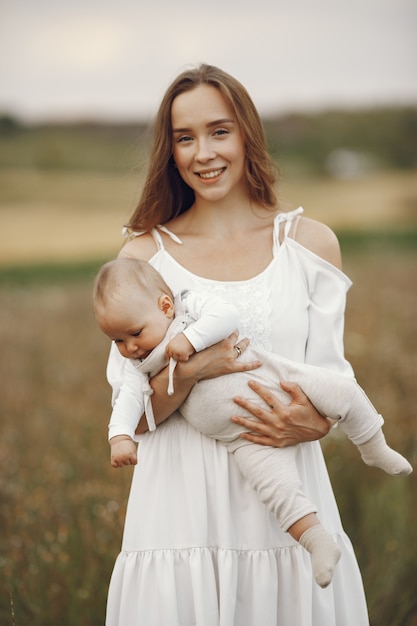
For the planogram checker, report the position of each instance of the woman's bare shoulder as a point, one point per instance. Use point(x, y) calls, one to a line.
point(141, 247)
point(320, 239)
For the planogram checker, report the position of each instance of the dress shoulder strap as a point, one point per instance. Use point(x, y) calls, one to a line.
point(154, 232)
point(282, 225)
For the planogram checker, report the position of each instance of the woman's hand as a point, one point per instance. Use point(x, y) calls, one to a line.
point(221, 358)
point(282, 425)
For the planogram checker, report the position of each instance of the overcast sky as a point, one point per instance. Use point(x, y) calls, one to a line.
point(114, 59)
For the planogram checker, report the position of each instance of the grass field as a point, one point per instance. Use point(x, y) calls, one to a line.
point(60, 215)
point(61, 505)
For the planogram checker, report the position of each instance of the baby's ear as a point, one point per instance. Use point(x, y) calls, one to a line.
point(166, 305)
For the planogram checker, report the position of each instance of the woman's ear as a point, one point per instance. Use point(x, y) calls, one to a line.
point(166, 305)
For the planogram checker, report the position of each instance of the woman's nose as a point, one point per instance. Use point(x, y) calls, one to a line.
point(205, 150)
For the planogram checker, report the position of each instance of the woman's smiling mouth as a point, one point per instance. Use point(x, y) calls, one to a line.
point(211, 174)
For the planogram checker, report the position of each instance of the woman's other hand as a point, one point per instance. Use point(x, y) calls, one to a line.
point(281, 425)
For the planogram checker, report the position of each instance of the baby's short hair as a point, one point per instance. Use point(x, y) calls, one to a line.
point(130, 273)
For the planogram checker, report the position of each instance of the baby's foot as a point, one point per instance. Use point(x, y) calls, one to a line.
point(325, 553)
point(377, 453)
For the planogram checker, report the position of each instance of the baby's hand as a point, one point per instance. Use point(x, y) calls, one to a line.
point(123, 451)
point(179, 348)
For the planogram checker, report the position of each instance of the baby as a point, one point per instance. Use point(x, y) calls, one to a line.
point(136, 309)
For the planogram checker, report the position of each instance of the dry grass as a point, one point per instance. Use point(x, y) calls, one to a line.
point(378, 201)
point(62, 506)
point(48, 215)
point(379, 512)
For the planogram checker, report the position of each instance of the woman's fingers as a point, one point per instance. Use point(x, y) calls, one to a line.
point(233, 337)
point(262, 440)
point(217, 360)
point(237, 348)
point(281, 424)
point(269, 398)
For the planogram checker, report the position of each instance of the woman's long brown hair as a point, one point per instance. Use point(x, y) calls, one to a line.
point(165, 195)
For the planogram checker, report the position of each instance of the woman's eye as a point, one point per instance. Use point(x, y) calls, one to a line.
point(183, 139)
point(221, 131)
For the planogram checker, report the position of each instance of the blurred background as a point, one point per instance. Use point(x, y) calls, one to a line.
point(336, 86)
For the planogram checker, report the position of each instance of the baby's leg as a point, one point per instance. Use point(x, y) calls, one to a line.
point(340, 397)
point(273, 474)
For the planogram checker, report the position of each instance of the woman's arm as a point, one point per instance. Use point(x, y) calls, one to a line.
point(283, 425)
point(214, 361)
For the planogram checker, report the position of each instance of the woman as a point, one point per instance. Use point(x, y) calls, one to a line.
point(198, 547)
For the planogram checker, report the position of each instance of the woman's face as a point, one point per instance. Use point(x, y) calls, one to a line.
point(208, 147)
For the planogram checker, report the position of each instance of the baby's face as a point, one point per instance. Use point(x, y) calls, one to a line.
point(135, 325)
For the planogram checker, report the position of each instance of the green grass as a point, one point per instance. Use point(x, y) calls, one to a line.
point(82, 147)
point(49, 273)
point(377, 242)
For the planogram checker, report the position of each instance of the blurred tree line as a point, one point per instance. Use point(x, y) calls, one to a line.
point(377, 138)
point(388, 137)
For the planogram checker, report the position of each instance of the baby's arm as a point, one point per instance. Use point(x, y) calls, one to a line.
point(128, 405)
point(215, 319)
point(212, 319)
point(128, 408)
point(179, 348)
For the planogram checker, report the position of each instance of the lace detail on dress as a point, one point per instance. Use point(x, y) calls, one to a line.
point(252, 299)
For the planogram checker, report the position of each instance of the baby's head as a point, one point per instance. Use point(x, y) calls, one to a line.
point(133, 306)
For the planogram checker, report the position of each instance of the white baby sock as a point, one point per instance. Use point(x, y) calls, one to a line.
point(325, 553)
point(377, 453)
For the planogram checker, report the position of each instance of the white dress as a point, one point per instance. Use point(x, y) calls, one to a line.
point(199, 548)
